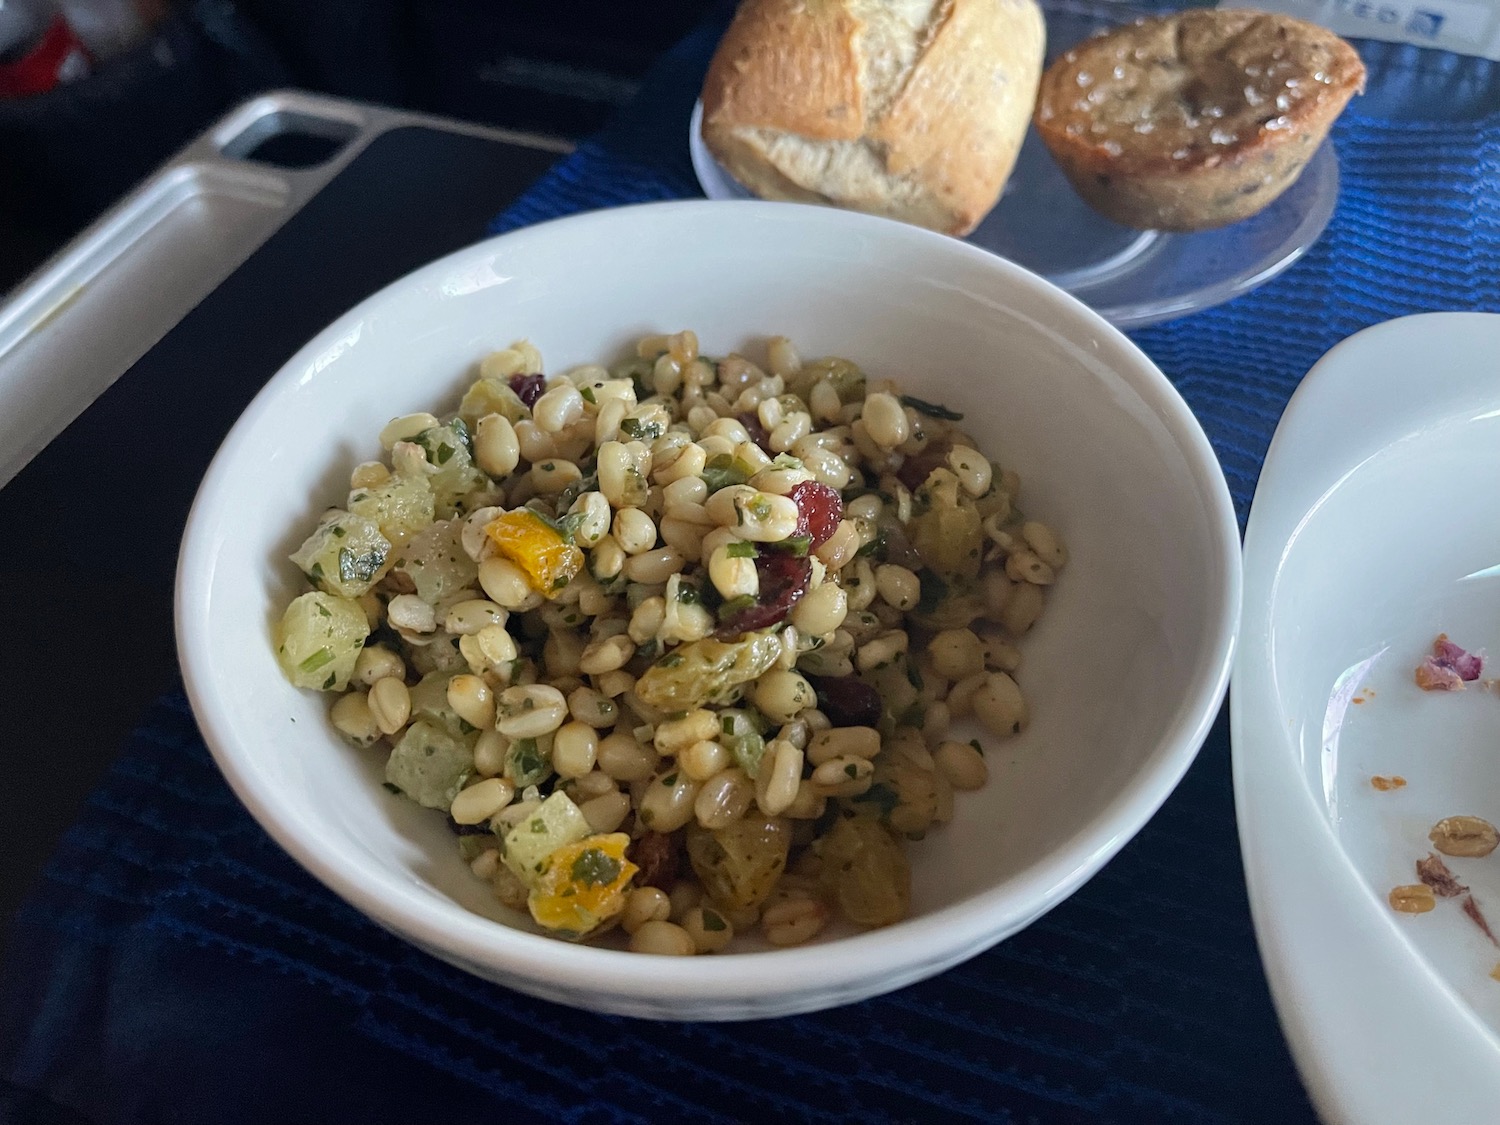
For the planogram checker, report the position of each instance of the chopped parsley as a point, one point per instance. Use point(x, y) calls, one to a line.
point(725, 469)
point(881, 795)
point(934, 590)
point(565, 526)
point(931, 409)
point(875, 548)
point(736, 605)
point(316, 660)
point(595, 868)
point(355, 566)
point(638, 429)
point(796, 545)
point(526, 763)
point(914, 676)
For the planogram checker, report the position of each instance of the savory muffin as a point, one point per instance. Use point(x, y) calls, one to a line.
point(1194, 120)
point(912, 109)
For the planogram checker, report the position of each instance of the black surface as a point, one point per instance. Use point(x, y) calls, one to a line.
point(67, 155)
point(554, 67)
point(295, 150)
point(94, 522)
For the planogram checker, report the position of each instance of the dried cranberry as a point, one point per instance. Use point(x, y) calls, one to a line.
point(756, 431)
point(914, 470)
point(819, 510)
point(528, 388)
point(1468, 665)
point(783, 580)
point(847, 701)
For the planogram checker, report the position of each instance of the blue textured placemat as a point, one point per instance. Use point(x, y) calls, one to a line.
point(177, 966)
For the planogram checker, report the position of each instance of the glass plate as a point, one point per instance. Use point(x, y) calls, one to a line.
point(1130, 277)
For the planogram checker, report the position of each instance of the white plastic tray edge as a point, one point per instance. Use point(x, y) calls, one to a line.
point(76, 324)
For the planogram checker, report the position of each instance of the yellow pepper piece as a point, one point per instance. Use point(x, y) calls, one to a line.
point(583, 885)
point(549, 560)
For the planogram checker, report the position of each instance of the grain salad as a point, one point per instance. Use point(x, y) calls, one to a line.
point(679, 646)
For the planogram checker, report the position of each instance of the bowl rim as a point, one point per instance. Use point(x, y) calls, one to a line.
point(942, 936)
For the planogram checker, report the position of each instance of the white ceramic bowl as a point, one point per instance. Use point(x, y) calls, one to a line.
point(1124, 674)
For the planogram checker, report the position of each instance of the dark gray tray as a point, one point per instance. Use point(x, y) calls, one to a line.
point(149, 335)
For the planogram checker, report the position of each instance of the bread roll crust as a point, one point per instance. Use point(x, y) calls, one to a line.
point(1197, 119)
point(771, 49)
point(914, 109)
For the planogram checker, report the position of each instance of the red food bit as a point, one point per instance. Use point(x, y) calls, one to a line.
point(1468, 665)
point(847, 701)
point(783, 580)
point(1434, 872)
point(819, 510)
point(756, 431)
point(1448, 668)
point(1471, 908)
point(915, 469)
point(528, 388)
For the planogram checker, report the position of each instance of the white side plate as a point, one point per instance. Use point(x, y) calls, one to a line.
point(1376, 526)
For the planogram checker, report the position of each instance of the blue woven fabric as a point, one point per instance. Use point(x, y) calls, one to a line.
point(177, 966)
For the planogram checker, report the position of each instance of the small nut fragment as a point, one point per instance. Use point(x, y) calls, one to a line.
point(1468, 836)
point(1386, 784)
point(1413, 898)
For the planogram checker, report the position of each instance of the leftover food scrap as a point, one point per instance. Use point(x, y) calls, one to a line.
point(1448, 667)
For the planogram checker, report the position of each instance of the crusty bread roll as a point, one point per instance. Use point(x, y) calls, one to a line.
point(1194, 120)
point(913, 109)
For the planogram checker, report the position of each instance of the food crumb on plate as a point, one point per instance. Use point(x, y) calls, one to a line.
point(1448, 667)
point(1495, 972)
point(1434, 872)
point(1412, 898)
point(1471, 908)
point(1469, 836)
point(1386, 784)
